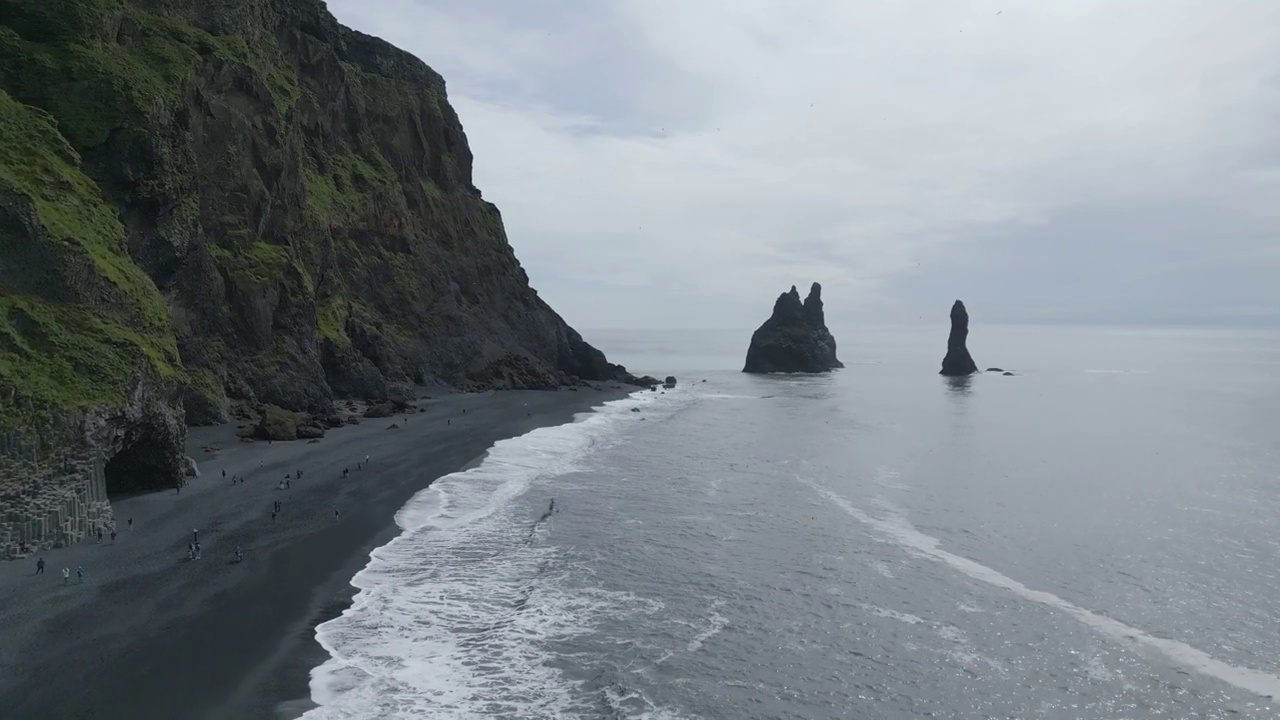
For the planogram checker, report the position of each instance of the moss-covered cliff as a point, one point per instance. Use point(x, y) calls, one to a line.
point(208, 201)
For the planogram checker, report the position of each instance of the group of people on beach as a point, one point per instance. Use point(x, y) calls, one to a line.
point(194, 550)
point(66, 573)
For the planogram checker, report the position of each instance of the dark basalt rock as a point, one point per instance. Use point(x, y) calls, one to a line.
point(670, 382)
point(795, 338)
point(380, 410)
point(310, 432)
point(957, 361)
point(276, 424)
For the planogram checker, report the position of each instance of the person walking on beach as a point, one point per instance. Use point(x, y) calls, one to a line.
point(113, 537)
point(66, 576)
point(366, 459)
point(79, 575)
point(40, 566)
point(198, 552)
point(99, 536)
point(224, 472)
point(191, 551)
point(287, 485)
point(130, 523)
point(335, 513)
point(273, 516)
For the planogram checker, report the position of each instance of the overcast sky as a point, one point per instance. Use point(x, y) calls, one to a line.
point(681, 162)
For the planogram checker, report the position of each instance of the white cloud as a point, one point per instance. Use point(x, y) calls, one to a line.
point(670, 162)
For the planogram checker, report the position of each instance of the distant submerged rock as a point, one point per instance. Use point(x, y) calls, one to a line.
point(795, 338)
point(958, 362)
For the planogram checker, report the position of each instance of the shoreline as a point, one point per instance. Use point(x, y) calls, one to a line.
point(152, 634)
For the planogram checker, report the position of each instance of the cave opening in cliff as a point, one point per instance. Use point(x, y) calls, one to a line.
point(139, 467)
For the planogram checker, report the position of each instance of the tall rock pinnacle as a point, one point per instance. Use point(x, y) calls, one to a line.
point(958, 362)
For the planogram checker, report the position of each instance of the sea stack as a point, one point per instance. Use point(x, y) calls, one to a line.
point(958, 362)
point(795, 338)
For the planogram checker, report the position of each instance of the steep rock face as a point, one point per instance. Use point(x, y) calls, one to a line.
point(299, 192)
point(795, 338)
point(204, 202)
point(90, 398)
point(56, 481)
point(957, 360)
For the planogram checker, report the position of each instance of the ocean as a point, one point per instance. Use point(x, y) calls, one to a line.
point(1095, 536)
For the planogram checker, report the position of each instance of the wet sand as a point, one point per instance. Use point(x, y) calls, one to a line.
point(152, 634)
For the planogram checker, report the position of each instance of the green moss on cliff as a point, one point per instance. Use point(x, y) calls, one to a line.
point(59, 350)
point(38, 163)
point(94, 87)
point(354, 189)
point(331, 321)
point(254, 265)
point(266, 61)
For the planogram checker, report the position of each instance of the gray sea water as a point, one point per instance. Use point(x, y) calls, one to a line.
point(1094, 537)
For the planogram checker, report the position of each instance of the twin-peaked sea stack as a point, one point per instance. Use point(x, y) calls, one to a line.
point(957, 361)
point(794, 339)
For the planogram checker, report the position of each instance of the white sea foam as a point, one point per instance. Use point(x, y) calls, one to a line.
point(454, 616)
point(1182, 655)
point(715, 623)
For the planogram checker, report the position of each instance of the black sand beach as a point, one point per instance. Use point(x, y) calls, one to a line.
point(152, 634)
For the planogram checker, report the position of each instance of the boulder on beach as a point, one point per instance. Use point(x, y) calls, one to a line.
point(670, 382)
point(380, 410)
point(310, 432)
point(957, 361)
point(795, 338)
point(276, 423)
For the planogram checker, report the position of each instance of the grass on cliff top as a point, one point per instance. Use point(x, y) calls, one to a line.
point(54, 354)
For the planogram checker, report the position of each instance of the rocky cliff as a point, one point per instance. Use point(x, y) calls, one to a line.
point(206, 203)
point(795, 338)
point(957, 360)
